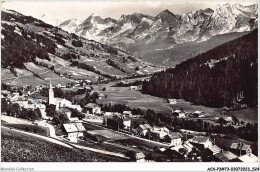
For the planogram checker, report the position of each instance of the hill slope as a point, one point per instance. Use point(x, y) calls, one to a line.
point(214, 78)
point(58, 53)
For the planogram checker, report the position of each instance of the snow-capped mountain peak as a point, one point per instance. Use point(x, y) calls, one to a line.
point(200, 24)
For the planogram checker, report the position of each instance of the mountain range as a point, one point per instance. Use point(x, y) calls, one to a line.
point(197, 25)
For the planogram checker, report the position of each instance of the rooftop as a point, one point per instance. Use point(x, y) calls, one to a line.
point(145, 126)
point(139, 155)
point(240, 146)
point(91, 105)
point(225, 156)
point(175, 135)
point(74, 127)
point(214, 149)
point(199, 139)
point(248, 158)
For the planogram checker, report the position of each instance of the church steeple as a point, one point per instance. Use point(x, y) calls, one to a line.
point(51, 94)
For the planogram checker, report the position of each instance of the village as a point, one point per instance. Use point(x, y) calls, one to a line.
point(88, 126)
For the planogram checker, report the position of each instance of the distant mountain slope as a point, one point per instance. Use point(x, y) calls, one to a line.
point(26, 39)
point(166, 53)
point(214, 78)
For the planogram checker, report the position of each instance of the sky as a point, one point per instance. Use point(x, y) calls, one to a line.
point(81, 10)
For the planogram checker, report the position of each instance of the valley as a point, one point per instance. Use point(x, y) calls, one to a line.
point(164, 88)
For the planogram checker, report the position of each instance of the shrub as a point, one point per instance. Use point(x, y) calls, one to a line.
point(77, 43)
point(27, 129)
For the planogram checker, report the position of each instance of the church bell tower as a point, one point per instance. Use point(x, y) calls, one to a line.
point(51, 94)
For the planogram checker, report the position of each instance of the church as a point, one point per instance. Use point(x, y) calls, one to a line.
point(61, 102)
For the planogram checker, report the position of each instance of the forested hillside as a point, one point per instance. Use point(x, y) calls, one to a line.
point(213, 78)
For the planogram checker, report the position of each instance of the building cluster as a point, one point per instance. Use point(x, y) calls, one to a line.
point(26, 101)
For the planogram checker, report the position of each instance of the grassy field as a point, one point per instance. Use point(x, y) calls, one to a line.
point(29, 80)
point(108, 134)
point(23, 148)
point(135, 99)
point(132, 98)
point(102, 66)
point(29, 128)
point(6, 74)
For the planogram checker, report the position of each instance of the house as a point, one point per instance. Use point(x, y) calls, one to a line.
point(197, 113)
point(66, 111)
point(136, 116)
point(94, 118)
point(127, 113)
point(60, 103)
point(174, 139)
point(126, 123)
point(118, 122)
point(74, 119)
point(247, 158)
point(92, 108)
point(172, 101)
point(108, 114)
point(158, 133)
point(32, 106)
point(140, 157)
point(225, 156)
point(188, 146)
point(201, 141)
point(214, 149)
point(179, 114)
point(179, 151)
point(77, 107)
point(74, 131)
point(143, 129)
point(133, 87)
point(240, 149)
point(101, 96)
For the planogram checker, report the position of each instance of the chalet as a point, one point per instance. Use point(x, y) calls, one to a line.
point(61, 102)
point(225, 156)
point(69, 75)
point(175, 138)
point(143, 129)
point(201, 141)
point(92, 108)
point(140, 157)
point(172, 101)
point(74, 131)
point(179, 151)
point(188, 146)
point(197, 114)
point(93, 118)
point(101, 96)
point(74, 119)
point(158, 133)
point(179, 114)
point(126, 123)
point(139, 87)
point(214, 149)
point(127, 113)
point(240, 149)
point(108, 114)
point(136, 116)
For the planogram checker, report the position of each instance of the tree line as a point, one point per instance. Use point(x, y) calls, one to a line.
point(213, 78)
